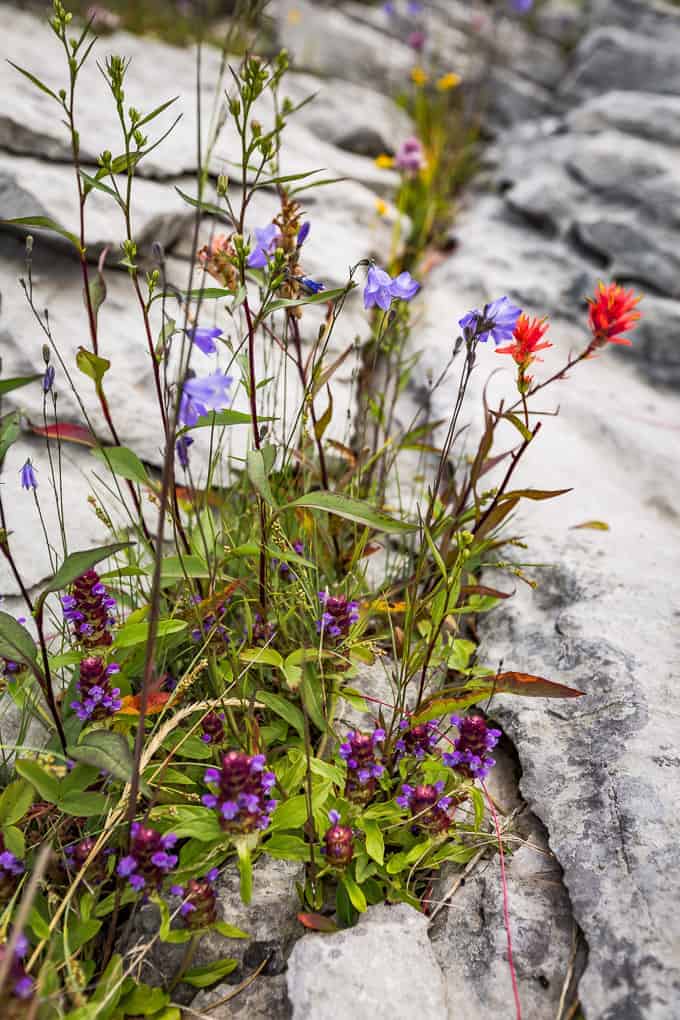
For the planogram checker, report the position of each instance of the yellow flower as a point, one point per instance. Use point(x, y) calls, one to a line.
point(419, 76)
point(381, 207)
point(294, 16)
point(448, 81)
point(384, 161)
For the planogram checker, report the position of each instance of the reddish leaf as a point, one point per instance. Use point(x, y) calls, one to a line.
point(68, 431)
point(482, 589)
point(531, 686)
point(132, 704)
point(317, 922)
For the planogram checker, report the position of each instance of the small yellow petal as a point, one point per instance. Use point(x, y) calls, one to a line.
point(384, 161)
point(419, 76)
point(381, 207)
point(449, 81)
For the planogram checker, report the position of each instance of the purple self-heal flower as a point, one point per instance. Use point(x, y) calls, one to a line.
point(126, 865)
point(496, 320)
point(265, 238)
point(28, 477)
point(202, 395)
point(470, 755)
point(204, 337)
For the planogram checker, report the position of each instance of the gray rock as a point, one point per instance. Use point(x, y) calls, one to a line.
point(631, 254)
point(618, 58)
point(643, 114)
point(658, 351)
point(470, 942)
point(380, 969)
point(265, 999)
point(548, 198)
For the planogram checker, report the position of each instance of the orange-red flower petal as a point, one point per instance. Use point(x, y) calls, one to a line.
point(527, 340)
point(612, 312)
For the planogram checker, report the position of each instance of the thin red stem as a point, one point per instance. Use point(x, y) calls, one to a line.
point(506, 909)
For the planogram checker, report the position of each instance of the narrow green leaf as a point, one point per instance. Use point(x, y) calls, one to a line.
point(7, 385)
point(285, 708)
point(357, 898)
point(264, 656)
point(353, 510)
point(84, 804)
point(312, 697)
point(287, 848)
point(309, 299)
point(257, 472)
point(217, 419)
point(123, 462)
point(180, 567)
point(9, 432)
point(46, 223)
point(208, 207)
point(375, 844)
point(210, 973)
point(154, 113)
point(77, 563)
point(245, 870)
point(229, 931)
point(188, 821)
point(36, 81)
point(137, 633)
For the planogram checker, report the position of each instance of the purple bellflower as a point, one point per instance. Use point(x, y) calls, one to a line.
point(496, 320)
point(28, 476)
point(202, 395)
point(265, 238)
point(48, 379)
point(381, 289)
point(303, 233)
point(521, 6)
point(204, 337)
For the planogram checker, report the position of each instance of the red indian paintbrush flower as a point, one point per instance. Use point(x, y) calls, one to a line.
point(527, 338)
point(612, 312)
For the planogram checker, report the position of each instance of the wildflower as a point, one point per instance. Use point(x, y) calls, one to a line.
point(527, 339)
point(219, 259)
point(148, 862)
point(202, 395)
point(429, 809)
point(199, 908)
point(474, 740)
point(363, 768)
point(338, 616)
point(303, 233)
point(381, 289)
point(242, 800)
point(384, 162)
point(448, 81)
point(312, 285)
point(521, 6)
point(213, 728)
point(18, 985)
point(10, 869)
point(89, 608)
point(284, 568)
point(414, 8)
point(338, 846)
point(28, 478)
point(266, 239)
point(389, 8)
point(98, 698)
point(419, 76)
point(416, 40)
point(410, 155)
point(611, 313)
point(182, 449)
point(417, 740)
point(77, 853)
point(381, 207)
point(48, 379)
point(497, 320)
point(263, 630)
point(204, 338)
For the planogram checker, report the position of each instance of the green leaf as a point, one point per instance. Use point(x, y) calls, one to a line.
point(245, 869)
point(210, 973)
point(311, 299)
point(356, 896)
point(285, 708)
point(353, 510)
point(9, 432)
point(92, 366)
point(311, 694)
point(46, 785)
point(154, 113)
point(7, 385)
point(87, 805)
point(287, 848)
point(257, 472)
point(460, 653)
point(104, 749)
point(15, 801)
point(196, 822)
point(218, 419)
point(47, 224)
point(264, 656)
point(77, 563)
point(290, 814)
point(332, 772)
point(375, 844)
point(123, 462)
point(180, 567)
point(15, 641)
point(229, 931)
point(15, 840)
point(36, 81)
point(520, 426)
point(137, 633)
point(208, 207)
point(144, 1000)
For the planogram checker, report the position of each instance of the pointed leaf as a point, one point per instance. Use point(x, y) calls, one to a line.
point(77, 563)
point(104, 749)
point(531, 686)
point(375, 844)
point(209, 973)
point(92, 366)
point(7, 385)
point(257, 472)
point(318, 922)
point(9, 432)
point(534, 494)
point(47, 224)
point(592, 525)
point(285, 708)
point(123, 462)
point(68, 431)
point(352, 510)
point(137, 633)
point(15, 641)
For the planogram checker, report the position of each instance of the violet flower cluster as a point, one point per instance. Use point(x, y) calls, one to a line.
point(416, 740)
point(148, 862)
point(381, 289)
point(474, 740)
point(213, 728)
point(339, 614)
point(242, 792)
point(77, 853)
point(428, 808)
point(338, 842)
point(199, 909)
point(98, 699)
point(89, 608)
point(10, 869)
point(363, 768)
point(497, 321)
point(410, 156)
point(18, 985)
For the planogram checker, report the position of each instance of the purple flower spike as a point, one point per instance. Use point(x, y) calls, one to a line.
point(148, 863)
point(475, 739)
point(28, 476)
point(363, 768)
point(204, 338)
point(242, 797)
